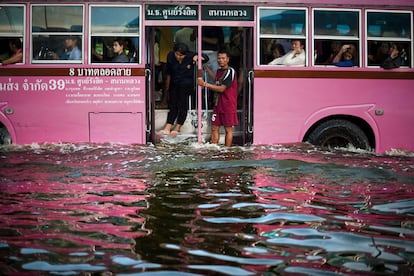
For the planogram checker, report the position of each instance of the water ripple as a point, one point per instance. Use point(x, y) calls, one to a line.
point(113, 209)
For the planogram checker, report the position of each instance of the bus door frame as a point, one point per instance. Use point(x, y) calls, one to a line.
point(247, 57)
point(150, 84)
point(248, 25)
point(248, 65)
point(150, 70)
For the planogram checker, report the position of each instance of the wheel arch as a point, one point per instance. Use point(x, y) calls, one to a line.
point(361, 123)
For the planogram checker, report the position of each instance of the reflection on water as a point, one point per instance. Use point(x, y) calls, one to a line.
point(200, 209)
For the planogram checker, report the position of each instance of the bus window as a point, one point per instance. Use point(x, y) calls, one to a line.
point(109, 23)
point(57, 34)
point(280, 27)
point(332, 30)
point(384, 28)
point(11, 34)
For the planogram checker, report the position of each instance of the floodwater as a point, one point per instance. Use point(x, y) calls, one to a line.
point(204, 210)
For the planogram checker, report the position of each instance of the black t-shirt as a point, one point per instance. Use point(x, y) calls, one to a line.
point(181, 73)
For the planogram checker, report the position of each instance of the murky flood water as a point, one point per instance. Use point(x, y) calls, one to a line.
point(204, 210)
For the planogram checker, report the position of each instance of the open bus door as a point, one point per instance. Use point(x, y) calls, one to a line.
point(159, 42)
point(157, 114)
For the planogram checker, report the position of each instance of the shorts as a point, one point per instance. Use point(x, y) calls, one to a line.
point(224, 119)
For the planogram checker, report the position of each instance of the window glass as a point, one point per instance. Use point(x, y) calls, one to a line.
point(115, 25)
point(57, 33)
point(282, 30)
point(282, 21)
point(389, 24)
point(327, 51)
point(379, 50)
point(115, 19)
point(385, 29)
point(57, 18)
point(336, 37)
point(342, 23)
point(12, 19)
point(11, 34)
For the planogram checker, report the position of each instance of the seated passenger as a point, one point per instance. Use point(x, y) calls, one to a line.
point(334, 48)
point(277, 50)
point(346, 57)
point(15, 46)
point(380, 54)
point(295, 57)
point(119, 53)
point(394, 59)
point(72, 51)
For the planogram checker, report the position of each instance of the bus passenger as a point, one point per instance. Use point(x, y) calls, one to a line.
point(346, 56)
point(381, 53)
point(15, 46)
point(179, 84)
point(72, 51)
point(334, 47)
point(394, 59)
point(119, 53)
point(295, 57)
point(225, 102)
point(277, 50)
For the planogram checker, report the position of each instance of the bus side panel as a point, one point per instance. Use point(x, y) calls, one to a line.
point(105, 127)
point(57, 109)
point(289, 106)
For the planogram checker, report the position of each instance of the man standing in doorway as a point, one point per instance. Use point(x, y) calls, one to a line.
point(225, 98)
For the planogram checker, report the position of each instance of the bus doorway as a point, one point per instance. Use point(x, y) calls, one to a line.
point(159, 42)
point(238, 41)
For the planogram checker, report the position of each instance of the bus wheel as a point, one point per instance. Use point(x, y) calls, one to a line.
point(339, 133)
point(4, 136)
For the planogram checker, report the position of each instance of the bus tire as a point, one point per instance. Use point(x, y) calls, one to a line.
point(339, 133)
point(5, 138)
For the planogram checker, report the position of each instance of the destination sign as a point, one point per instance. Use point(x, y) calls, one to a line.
point(229, 13)
point(171, 12)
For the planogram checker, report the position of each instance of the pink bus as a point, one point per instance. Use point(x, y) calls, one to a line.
point(342, 87)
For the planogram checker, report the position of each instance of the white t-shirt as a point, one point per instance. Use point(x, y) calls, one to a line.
point(290, 59)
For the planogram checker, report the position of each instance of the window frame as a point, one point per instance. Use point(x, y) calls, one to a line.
point(369, 38)
point(138, 35)
point(261, 35)
point(357, 38)
point(17, 34)
point(81, 34)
